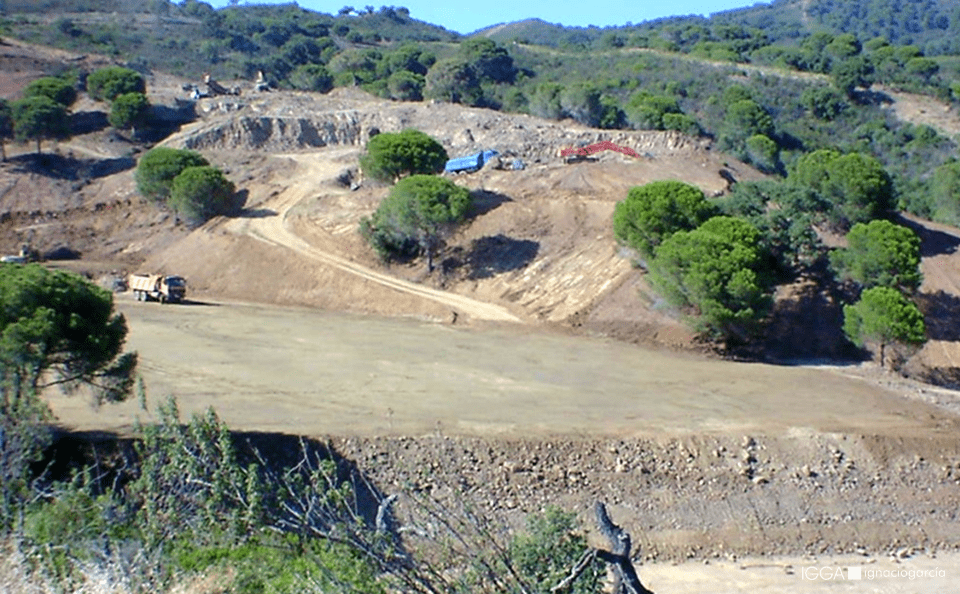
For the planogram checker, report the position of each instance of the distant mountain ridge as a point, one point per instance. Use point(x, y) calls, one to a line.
point(932, 25)
point(539, 32)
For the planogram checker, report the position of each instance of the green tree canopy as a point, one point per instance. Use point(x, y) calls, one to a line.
point(653, 212)
point(856, 186)
point(812, 169)
point(390, 155)
point(716, 273)
point(550, 546)
point(582, 103)
point(39, 118)
point(825, 103)
point(311, 77)
point(106, 84)
point(746, 118)
point(646, 111)
point(58, 329)
point(544, 101)
point(924, 68)
point(883, 316)
point(880, 254)
point(406, 58)
point(359, 63)
point(404, 85)
point(199, 193)
point(129, 111)
point(784, 214)
point(491, 62)
point(453, 81)
point(944, 192)
point(158, 168)
point(852, 73)
point(763, 153)
point(59, 90)
point(859, 187)
point(415, 215)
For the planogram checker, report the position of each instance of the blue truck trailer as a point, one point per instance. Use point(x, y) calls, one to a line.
point(470, 163)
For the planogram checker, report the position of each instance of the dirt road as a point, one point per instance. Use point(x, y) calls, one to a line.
point(309, 372)
point(274, 230)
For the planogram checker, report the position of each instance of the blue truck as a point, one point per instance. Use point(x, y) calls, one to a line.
point(471, 163)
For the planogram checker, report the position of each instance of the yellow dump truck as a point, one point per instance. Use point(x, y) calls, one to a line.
point(158, 287)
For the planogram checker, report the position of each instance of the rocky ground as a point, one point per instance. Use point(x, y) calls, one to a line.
point(702, 497)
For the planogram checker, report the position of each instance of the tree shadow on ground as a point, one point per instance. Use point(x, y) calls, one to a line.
point(238, 207)
point(872, 97)
point(941, 313)
point(490, 256)
point(484, 201)
point(197, 303)
point(256, 213)
point(932, 242)
point(62, 167)
point(807, 324)
point(88, 122)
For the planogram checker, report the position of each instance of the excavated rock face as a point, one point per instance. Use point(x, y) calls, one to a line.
point(277, 133)
point(291, 122)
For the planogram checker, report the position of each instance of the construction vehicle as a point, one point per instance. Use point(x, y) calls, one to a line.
point(158, 287)
point(579, 153)
point(471, 163)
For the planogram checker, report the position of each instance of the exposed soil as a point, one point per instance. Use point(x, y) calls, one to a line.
point(506, 378)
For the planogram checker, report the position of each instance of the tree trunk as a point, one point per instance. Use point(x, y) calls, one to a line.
point(627, 580)
point(883, 347)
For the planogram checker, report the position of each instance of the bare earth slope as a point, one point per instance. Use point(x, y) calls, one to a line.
point(698, 457)
point(538, 245)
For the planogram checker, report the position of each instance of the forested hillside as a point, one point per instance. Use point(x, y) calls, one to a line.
point(929, 24)
point(811, 85)
point(768, 83)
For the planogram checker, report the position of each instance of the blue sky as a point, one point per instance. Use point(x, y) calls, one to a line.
point(469, 16)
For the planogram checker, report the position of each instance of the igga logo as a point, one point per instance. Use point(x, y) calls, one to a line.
point(830, 573)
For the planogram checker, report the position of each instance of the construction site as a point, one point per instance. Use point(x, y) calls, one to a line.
point(534, 367)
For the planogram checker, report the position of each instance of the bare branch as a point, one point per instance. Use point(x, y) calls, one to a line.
point(588, 556)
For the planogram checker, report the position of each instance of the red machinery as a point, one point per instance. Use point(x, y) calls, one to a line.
point(606, 145)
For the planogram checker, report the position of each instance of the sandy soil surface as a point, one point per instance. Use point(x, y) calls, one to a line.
point(931, 575)
point(310, 372)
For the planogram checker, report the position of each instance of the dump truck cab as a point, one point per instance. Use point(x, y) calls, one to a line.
point(176, 288)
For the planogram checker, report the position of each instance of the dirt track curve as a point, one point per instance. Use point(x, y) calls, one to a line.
point(274, 230)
